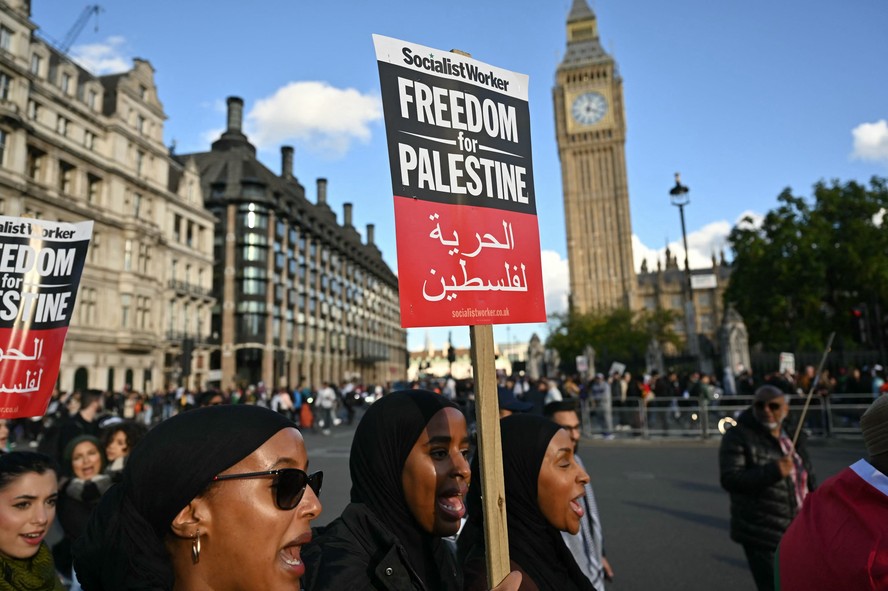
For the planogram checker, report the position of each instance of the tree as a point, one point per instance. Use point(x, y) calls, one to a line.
point(801, 274)
point(618, 335)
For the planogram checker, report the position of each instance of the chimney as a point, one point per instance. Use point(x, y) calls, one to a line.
point(235, 113)
point(346, 214)
point(287, 162)
point(322, 191)
point(370, 238)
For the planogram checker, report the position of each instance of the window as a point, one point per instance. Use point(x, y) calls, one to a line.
point(66, 83)
point(93, 189)
point(177, 228)
point(125, 302)
point(66, 177)
point(128, 256)
point(143, 92)
point(35, 163)
point(5, 38)
point(140, 124)
point(62, 126)
point(3, 137)
point(89, 140)
point(137, 204)
point(33, 110)
point(5, 85)
point(91, 98)
point(140, 161)
point(36, 61)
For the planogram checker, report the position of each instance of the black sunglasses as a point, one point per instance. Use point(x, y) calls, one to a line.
point(774, 406)
point(289, 484)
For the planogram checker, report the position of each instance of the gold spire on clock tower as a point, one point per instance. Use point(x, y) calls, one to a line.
point(591, 132)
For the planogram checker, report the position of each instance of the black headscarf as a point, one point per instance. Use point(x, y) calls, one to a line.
point(383, 440)
point(123, 547)
point(534, 543)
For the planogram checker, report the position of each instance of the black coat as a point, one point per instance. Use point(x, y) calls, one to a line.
point(763, 503)
point(357, 552)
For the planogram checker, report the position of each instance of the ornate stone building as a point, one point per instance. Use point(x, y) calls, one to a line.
point(591, 134)
point(664, 288)
point(75, 146)
point(300, 296)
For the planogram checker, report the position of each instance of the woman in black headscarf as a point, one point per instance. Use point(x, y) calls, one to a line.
point(215, 498)
point(543, 483)
point(409, 477)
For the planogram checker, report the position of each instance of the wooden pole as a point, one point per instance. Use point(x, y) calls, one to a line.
point(795, 438)
point(496, 533)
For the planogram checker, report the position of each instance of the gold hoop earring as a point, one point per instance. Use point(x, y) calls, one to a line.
point(195, 547)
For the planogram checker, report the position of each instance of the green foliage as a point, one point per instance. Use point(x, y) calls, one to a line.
point(618, 335)
point(797, 276)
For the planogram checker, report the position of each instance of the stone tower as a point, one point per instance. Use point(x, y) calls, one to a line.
point(591, 133)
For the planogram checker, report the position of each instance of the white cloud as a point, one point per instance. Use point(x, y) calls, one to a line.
point(103, 58)
point(323, 118)
point(871, 141)
point(556, 281)
point(702, 244)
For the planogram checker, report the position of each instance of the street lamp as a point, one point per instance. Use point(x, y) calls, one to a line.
point(678, 195)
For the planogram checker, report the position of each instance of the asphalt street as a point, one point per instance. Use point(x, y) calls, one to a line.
point(664, 514)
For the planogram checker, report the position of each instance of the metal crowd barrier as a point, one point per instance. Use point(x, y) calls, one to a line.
point(833, 416)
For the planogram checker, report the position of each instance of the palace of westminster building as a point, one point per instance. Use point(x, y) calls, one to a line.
point(204, 269)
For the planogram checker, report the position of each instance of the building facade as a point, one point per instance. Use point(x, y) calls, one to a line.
point(74, 146)
point(665, 288)
point(591, 133)
point(301, 299)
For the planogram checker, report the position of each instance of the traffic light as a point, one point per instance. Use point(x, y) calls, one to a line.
point(860, 324)
point(451, 354)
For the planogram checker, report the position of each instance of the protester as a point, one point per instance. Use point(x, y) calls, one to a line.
point(28, 493)
point(79, 495)
point(83, 422)
point(767, 479)
point(509, 404)
point(840, 538)
point(200, 508)
point(587, 545)
point(409, 478)
point(4, 436)
point(118, 440)
point(543, 486)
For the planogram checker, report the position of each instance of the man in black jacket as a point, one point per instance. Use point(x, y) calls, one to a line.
point(767, 478)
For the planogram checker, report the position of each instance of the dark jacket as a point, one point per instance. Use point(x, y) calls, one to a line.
point(763, 503)
point(357, 552)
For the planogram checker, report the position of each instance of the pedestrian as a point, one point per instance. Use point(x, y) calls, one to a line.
point(543, 486)
point(326, 402)
point(587, 545)
point(839, 540)
point(767, 478)
point(118, 440)
point(28, 492)
point(200, 508)
point(409, 477)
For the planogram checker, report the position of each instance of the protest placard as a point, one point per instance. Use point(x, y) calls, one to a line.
point(462, 178)
point(40, 267)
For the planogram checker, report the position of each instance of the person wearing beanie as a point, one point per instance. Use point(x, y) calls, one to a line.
point(840, 538)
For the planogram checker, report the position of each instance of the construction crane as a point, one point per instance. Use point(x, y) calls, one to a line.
point(75, 30)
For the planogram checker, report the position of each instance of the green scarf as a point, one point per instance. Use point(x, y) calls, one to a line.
point(30, 574)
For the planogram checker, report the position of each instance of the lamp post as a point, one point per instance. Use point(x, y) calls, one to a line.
point(678, 195)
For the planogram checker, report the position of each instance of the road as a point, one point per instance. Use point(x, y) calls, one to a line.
point(664, 514)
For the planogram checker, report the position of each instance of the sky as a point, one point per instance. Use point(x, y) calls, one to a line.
point(745, 99)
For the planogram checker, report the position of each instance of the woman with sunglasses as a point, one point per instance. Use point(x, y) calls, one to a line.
point(543, 486)
point(215, 498)
point(409, 477)
point(768, 479)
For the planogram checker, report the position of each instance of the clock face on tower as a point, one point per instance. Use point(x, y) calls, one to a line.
point(589, 108)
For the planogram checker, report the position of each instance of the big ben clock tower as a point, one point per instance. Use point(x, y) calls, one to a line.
point(591, 133)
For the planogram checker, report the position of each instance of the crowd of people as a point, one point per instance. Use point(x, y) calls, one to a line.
point(111, 502)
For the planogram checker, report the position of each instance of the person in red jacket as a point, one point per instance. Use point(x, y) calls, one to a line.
point(840, 538)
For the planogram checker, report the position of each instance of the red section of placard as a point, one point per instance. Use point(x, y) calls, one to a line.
point(29, 368)
point(460, 265)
